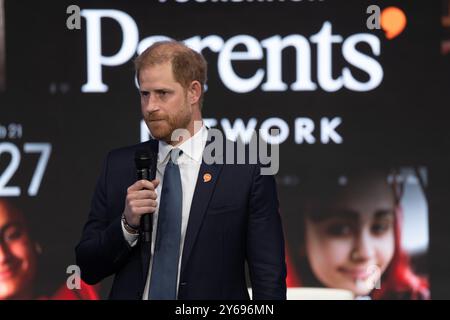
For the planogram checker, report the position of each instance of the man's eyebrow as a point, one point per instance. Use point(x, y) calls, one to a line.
point(156, 90)
point(164, 89)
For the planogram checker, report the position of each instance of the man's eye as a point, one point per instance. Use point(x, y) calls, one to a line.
point(144, 93)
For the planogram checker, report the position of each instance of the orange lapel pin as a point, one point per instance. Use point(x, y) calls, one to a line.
point(207, 177)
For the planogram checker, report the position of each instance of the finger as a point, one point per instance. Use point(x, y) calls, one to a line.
point(134, 187)
point(139, 185)
point(147, 185)
point(143, 184)
point(136, 204)
point(153, 195)
point(155, 183)
point(144, 210)
point(144, 194)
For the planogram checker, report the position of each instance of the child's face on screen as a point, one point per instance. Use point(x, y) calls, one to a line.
point(17, 256)
point(350, 243)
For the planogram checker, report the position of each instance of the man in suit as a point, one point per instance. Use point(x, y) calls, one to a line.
point(207, 219)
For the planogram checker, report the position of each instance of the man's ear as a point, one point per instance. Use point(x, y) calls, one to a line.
point(194, 92)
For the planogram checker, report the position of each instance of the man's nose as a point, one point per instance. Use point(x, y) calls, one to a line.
point(151, 104)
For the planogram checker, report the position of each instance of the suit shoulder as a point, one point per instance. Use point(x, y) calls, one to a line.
point(128, 151)
point(241, 155)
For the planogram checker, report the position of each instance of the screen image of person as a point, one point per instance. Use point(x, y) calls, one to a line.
point(2, 48)
point(19, 255)
point(346, 234)
point(208, 220)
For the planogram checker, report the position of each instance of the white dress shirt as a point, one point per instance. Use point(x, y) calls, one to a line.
point(189, 163)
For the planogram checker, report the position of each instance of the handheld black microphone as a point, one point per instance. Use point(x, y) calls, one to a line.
point(145, 161)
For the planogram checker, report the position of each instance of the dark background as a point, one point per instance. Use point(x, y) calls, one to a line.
point(401, 122)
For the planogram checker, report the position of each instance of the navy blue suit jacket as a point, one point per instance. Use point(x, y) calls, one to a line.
point(234, 218)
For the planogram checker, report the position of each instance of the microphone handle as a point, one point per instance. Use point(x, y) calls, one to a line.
point(146, 224)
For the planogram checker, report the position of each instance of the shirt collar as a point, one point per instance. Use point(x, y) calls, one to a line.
point(192, 147)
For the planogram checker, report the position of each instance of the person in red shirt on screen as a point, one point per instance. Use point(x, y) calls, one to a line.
point(19, 255)
point(348, 237)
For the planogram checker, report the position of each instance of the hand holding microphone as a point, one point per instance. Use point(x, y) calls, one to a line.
point(140, 200)
point(141, 196)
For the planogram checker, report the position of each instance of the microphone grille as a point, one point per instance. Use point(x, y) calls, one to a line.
point(143, 158)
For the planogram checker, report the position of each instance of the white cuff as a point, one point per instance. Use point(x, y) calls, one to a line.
point(129, 237)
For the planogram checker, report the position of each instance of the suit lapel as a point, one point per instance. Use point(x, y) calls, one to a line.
point(204, 189)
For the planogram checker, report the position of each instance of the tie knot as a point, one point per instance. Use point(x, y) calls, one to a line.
point(174, 155)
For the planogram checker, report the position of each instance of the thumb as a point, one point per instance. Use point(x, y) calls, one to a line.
point(155, 183)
